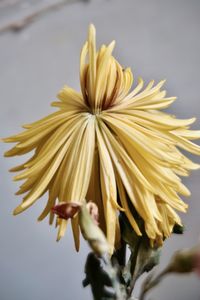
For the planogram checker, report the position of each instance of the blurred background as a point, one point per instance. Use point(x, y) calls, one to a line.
point(40, 43)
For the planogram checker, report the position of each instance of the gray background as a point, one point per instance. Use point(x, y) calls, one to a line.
point(157, 39)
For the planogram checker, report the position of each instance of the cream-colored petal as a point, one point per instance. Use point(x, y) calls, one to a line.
point(102, 73)
point(92, 70)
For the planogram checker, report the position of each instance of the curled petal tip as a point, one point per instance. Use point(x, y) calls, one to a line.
point(16, 178)
point(58, 239)
point(92, 28)
point(17, 210)
point(112, 44)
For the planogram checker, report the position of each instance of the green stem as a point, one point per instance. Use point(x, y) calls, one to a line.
point(133, 259)
point(112, 271)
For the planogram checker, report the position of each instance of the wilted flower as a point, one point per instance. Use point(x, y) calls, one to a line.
point(108, 143)
point(66, 210)
point(88, 216)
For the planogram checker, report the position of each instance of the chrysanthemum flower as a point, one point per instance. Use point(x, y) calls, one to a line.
point(105, 143)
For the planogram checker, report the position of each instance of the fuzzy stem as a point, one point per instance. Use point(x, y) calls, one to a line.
point(149, 284)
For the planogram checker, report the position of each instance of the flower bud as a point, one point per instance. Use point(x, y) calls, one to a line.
point(92, 233)
point(88, 221)
point(186, 261)
point(93, 211)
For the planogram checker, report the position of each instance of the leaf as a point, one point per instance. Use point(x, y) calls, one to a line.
point(97, 278)
point(147, 258)
point(143, 257)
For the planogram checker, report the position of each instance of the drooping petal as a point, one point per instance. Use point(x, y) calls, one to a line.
point(111, 144)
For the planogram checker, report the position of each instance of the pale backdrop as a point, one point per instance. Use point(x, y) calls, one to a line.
point(157, 39)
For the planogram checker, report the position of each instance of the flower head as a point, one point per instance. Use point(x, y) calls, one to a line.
point(111, 145)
